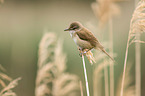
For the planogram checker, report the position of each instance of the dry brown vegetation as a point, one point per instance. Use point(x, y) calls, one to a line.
point(1, 1)
point(6, 89)
point(104, 10)
point(52, 80)
point(137, 26)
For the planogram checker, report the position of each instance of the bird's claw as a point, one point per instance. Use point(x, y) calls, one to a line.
point(83, 52)
point(80, 54)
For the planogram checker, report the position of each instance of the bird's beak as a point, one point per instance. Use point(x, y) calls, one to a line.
point(66, 29)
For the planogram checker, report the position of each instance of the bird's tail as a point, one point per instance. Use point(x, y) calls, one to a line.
point(107, 54)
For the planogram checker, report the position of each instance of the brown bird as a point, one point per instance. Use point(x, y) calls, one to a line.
point(84, 38)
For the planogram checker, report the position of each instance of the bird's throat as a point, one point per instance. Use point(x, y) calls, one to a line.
point(72, 33)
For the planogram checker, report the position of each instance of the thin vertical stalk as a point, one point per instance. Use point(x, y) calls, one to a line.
point(94, 84)
point(81, 88)
point(86, 78)
point(111, 53)
point(125, 62)
point(137, 63)
point(106, 81)
point(137, 67)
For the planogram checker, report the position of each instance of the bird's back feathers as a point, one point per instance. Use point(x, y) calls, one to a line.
point(86, 35)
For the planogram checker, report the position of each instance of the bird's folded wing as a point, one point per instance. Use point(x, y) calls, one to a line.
point(86, 35)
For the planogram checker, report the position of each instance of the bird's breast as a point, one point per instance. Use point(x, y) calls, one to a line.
point(74, 36)
point(76, 39)
point(81, 43)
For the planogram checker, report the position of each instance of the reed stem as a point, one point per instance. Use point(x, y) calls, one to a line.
point(81, 88)
point(137, 63)
point(137, 67)
point(111, 53)
point(106, 81)
point(125, 62)
point(86, 78)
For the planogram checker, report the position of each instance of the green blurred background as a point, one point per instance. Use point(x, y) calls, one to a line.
point(23, 23)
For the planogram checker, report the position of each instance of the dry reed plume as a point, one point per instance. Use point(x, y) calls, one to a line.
point(52, 80)
point(104, 9)
point(137, 26)
point(1, 1)
point(3, 77)
point(6, 90)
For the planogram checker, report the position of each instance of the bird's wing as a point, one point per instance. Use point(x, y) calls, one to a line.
point(86, 35)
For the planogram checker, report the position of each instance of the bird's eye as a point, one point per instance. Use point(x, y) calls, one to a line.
point(75, 27)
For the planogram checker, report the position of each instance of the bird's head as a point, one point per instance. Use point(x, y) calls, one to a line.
point(74, 26)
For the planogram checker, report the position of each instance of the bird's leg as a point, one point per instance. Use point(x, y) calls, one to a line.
point(86, 50)
point(81, 51)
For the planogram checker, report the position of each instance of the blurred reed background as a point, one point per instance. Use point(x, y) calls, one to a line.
point(23, 23)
